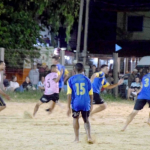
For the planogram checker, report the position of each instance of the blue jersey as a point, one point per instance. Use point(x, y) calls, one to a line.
point(61, 81)
point(80, 87)
point(99, 82)
point(145, 92)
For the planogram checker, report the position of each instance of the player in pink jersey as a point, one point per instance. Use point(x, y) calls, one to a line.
point(51, 93)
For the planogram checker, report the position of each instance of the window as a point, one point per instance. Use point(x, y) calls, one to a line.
point(135, 23)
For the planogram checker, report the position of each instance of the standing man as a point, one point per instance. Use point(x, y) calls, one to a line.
point(65, 75)
point(98, 81)
point(80, 96)
point(2, 103)
point(34, 76)
point(142, 99)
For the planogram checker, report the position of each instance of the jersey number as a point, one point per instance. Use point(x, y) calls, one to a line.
point(80, 86)
point(146, 82)
point(48, 84)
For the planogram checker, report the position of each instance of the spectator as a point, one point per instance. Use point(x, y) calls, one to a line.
point(47, 71)
point(132, 77)
point(92, 71)
point(42, 71)
point(34, 76)
point(5, 82)
point(27, 85)
point(14, 85)
point(41, 83)
point(135, 87)
point(110, 78)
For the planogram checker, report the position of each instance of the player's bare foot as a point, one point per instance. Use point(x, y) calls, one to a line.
point(123, 129)
point(90, 141)
point(76, 141)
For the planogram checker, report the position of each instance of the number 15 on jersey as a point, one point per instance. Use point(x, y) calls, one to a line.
point(80, 88)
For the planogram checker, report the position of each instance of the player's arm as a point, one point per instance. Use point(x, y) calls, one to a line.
point(4, 94)
point(66, 75)
point(94, 76)
point(108, 86)
point(91, 97)
point(69, 94)
point(59, 76)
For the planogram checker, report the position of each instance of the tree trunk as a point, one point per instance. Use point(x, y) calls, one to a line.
point(115, 73)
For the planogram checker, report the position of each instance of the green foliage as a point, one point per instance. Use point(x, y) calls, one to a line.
point(19, 25)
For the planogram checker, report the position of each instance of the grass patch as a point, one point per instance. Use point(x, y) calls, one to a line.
point(34, 96)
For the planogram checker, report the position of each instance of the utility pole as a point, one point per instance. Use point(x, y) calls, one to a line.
point(86, 32)
point(115, 73)
point(79, 29)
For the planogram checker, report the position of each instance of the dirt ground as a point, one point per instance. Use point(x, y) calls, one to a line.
point(55, 132)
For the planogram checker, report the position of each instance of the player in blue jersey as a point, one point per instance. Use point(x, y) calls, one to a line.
point(142, 98)
point(98, 81)
point(80, 97)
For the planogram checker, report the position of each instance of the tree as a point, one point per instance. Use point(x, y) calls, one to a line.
point(19, 25)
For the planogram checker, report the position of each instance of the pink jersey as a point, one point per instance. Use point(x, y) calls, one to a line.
point(51, 86)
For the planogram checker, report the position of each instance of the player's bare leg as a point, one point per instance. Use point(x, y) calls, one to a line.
point(2, 108)
point(60, 105)
point(76, 129)
point(52, 106)
point(36, 108)
point(148, 120)
point(87, 127)
point(129, 119)
point(100, 108)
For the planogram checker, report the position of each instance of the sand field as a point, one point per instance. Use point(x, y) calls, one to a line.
point(55, 131)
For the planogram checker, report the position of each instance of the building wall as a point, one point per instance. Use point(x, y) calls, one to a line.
point(145, 34)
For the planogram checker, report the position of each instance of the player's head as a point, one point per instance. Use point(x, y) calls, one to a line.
point(104, 68)
point(54, 68)
point(55, 60)
point(2, 65)
point(79, 68)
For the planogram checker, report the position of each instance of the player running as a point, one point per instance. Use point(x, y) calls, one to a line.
point(80, 96)
point(142, 99)
point(2, 103)
point(51, 92)
point(98, 81)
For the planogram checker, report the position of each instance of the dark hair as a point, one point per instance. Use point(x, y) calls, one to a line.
point(79, 67)
point(13, 77)
point(103, 66)
point(94, 66)
point(56, 57)
point(1, 62)
point(53, 66)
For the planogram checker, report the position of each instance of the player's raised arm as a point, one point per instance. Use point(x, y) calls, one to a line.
point(59, 76)
point(114, 85)
point(93, 77)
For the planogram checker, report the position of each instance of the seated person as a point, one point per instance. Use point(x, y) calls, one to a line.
point(14, 85)
point(41, 84)
point(135, 87)
point(27, 85)
point(5, 82)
